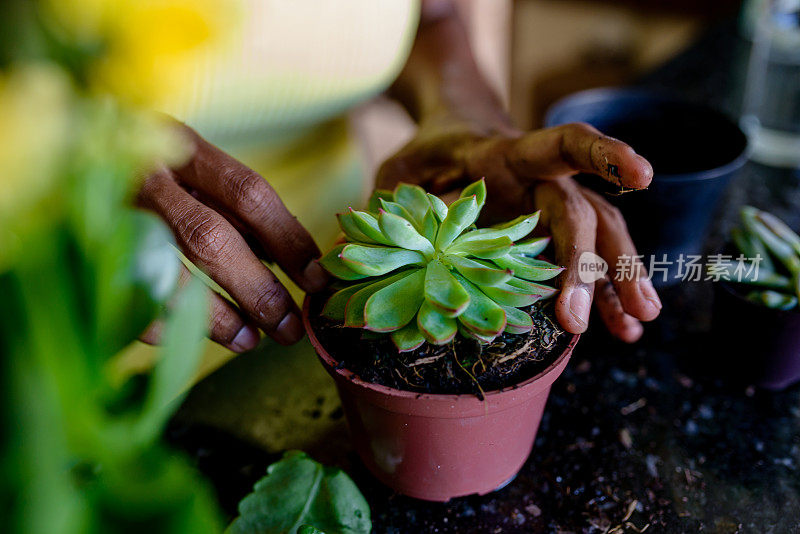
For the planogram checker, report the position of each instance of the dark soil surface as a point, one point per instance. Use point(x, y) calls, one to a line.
point(461, 366)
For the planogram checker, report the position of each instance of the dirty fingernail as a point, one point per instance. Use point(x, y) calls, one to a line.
point(650, 294)
point(315, 276)
point(247, 338)
point(580, 304)
point(290, 330)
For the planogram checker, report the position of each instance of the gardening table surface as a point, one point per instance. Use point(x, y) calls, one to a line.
point(632, 437)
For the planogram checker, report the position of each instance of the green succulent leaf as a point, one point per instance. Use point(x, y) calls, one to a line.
point(368, 224)
point(477, 272)
point(408, 338)
point(438, 206)
point(443, 291)
point(483, 316)
point(413, 198)
point(483, 248)
point(461, 214)
point(351, 230)
point(397, 209)
point(335, 305)
point(514, 230)
point(354, 309)
point(731, 270)
point(752, 247)
point(465, 331)
point(377, 261)
point(517, 321)
point(436, 328)
point(531, 248)
point(299, 493)
point(780, 229)
point(508, 295)
point(430, 226)
point(780, 248)
point(528, 268)
point(394, 306)
point(403, 233)
point(478, 189)
point(773, 299)
point(537, 289)
point(333, 263)
point(375, 199)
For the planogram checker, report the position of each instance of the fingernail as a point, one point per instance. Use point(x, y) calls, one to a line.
point(580, 304)
point(247, 338)
point(650, 294)
point(315, 276)
point(290, 330)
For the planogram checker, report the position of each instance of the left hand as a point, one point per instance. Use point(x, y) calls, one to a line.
point(526, 172)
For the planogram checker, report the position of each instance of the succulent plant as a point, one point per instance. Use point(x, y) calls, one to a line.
point(778, 276)
point(422, 271)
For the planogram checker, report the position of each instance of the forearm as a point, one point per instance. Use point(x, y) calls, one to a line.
point(441, 83)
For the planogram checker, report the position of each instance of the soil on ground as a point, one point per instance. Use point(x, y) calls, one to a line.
point(462, 366)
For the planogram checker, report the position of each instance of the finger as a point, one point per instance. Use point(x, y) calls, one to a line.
point(579, 147)
point(209, 241)
point(226, 325)
point(614, 244)
point(243, 193)
point(572, 223)
point(608, 305)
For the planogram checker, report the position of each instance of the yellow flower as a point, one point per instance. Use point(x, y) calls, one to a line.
point(147, 47)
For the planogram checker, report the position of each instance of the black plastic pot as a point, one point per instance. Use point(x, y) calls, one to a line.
point(756, 344)
point(694, 151)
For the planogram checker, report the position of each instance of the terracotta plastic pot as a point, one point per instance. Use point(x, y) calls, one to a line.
point(758, 345)
point(436, 447)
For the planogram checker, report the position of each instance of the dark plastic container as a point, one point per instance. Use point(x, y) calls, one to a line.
point(755, 344)
point(694, 150)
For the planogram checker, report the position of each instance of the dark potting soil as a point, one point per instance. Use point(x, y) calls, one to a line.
point(461, 366)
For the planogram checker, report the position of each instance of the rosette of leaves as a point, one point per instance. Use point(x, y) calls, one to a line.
point(421, 271)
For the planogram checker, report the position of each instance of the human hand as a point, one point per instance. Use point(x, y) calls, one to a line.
point(532, 171)
point(226, 219)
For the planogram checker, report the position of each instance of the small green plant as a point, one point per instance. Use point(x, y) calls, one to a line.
point(422, 271)
point(763, 235)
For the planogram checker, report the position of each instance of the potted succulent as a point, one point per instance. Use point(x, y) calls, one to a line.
point(756, 307)
point(439, 339)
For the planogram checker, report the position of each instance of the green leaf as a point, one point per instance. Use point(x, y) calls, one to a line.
point(351, 230)
point(476, 272)
point(298, 491)
point(780, 248)
point(467, 332)
point(482, 315)
point(354, 309)
point(528, 268)
point(438, 206)
point(508, 295)
point(773, 299)
point(332, 262)
point(375, 199)
point(436, 328)
point(537, 289)
point(532, 247)
point(413, 198)
point(308, 529)
point(780, 229)
point(335, 305)
point(443, 291)
point(184, 333)
point(752, 247)
point(430, 226)
point(483, 248)
point(376, 261)
point(395, 305)
point(397, 209)
point(408, 338)
point(460, 215)
point(747, 275)
point(514, 230)
point(368, 224)
point(403, 233)
point(517, 321)
point(478, 189)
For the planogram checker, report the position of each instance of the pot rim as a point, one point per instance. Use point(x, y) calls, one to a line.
point(446, 398)
point(605, 94)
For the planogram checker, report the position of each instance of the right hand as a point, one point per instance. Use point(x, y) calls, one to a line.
point(217, 208)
